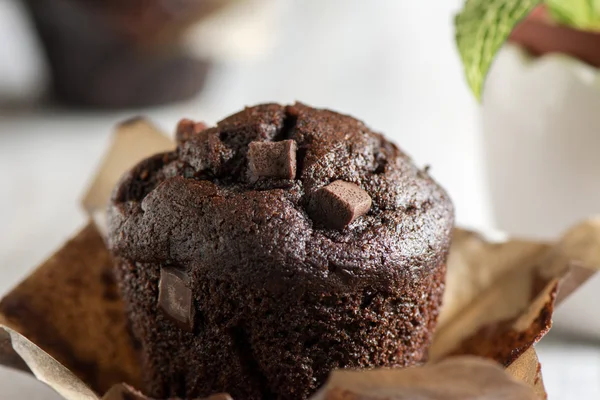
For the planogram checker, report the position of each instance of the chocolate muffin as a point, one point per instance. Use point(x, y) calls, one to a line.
point(275, 247)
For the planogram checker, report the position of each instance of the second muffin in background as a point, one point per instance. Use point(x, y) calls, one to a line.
point(281, 244)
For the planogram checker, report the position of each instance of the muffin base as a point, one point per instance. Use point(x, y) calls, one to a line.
point(254, 345)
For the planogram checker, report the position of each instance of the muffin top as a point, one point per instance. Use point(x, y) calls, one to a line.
point(287, 198)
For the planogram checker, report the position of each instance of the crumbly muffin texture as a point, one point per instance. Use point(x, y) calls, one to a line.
point(241, 276)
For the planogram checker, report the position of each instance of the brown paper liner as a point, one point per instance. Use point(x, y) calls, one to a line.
point(70, 307)
point(126, 392)
point(8, 357)
point(503, 283)
point(48, 369)
point(135, 140)
point(498, 302)
point(527, 369)
point(452, 379)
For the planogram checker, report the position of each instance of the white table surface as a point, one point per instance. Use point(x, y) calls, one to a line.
point(376, 60)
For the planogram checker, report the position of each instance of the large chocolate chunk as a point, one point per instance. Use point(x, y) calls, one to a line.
point(339, 204)
point(187, 128)
point(272, 159)
point(175, 298)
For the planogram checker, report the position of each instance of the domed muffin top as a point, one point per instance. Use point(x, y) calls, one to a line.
point(294, 198)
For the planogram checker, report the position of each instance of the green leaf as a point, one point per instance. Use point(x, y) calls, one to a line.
point(482, 27)
point(579, 14)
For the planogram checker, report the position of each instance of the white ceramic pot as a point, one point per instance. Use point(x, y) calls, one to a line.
point(541, 135)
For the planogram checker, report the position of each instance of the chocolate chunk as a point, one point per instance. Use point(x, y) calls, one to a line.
point(187, 128)
point(175, 298)
point(339, 204)
point(272, 159)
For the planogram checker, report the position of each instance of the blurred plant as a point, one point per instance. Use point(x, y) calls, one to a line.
point(483, 26)
point(580, 14)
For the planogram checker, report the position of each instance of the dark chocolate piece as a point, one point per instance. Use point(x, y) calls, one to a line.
point(339, 204)
point(175, 298)
point(272, 159)
point(187, 128)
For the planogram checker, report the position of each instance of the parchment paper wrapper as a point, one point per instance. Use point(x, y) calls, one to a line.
point(454, 378)
point(65, 322)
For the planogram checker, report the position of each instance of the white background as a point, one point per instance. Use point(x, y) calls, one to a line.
point(391, 63)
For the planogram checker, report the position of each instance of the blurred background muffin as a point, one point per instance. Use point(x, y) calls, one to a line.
point(123, 54)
